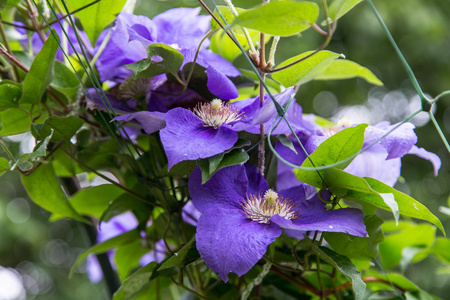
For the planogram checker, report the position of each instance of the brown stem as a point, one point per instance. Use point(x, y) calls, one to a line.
point(365, 279)
point(32, 13)
point(289, 278)
point(8, 48)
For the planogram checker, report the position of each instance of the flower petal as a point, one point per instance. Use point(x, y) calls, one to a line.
point(225, 189)
point(220, 85)
point(150, 121)
point(433, 158)
point(185, 138)
point(229, 242)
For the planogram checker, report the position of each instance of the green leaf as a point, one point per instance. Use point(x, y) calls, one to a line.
point(305, 70)
point(38, 151)
point(345, 69)
point(340, 7)
point(225, 11)
point(94, 200)
point(441, 249)
point(97, 16)
point(114, 242)
point(14, 121)
point(280, 18)
point(4, 165)
point(161, 59)
point(10, 95)
point(2, 4)
point(406, 204)
point(187, 254)
point(64, 128)
point(344, 265)
point(135, 282)
point(124, 202)
point(44, 189)
point(127, 257)
point(234, 157)
point(287, 142)
point(354, 247)
point(65, 80)
point(336, 148)
point(368, 190)
point(41, 71)
point(411, 235)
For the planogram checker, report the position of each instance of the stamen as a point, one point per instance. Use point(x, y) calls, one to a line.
point(261, 209)
point(216, 113)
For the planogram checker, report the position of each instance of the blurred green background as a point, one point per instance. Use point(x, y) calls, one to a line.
point(42, 252)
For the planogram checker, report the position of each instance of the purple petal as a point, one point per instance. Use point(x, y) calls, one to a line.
point(397, 143)
point(190, 214)
point(185, 137)
point(220, 85)
point(116, 226)
point(313, 216)
point(93, 269)
point(224, 190)
point(228, 242)
point(208, 58)
point(433, 158)
point(372, 163)
point(256, 182)
point(183, 27)
point(150, 121)
point(285, 174)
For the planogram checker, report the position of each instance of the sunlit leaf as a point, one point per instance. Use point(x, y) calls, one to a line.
point(4, 165)
point(280, 18)
point(10, 95)
point(305, 70)
point(336, 148)
point(345, 69)
point(63, 128)
point(41, 71)
point(340, 7)
point(185, 255)
point(97, 16)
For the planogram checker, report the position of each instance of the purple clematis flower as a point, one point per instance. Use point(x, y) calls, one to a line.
point(182, 29)
point(241, 216)
point(381, 161)
point(212, 127)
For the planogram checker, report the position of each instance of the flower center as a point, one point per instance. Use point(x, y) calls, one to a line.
point(215, 113)
point(331, 130)
point(261, 208)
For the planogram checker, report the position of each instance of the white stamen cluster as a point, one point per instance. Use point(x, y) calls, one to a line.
point(261, 209)
point(215, 113)
point(331, 130)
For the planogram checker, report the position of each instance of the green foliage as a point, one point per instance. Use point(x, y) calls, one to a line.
point(96, 17)
point(63, 128)
point(345, 69)
point(337, 148)
point(306, 70)
point(343, 264)
point(44, 189)
point(338, 8)
point(161, 59)
point(4, 165)
point(280, 18)
point(187, 254)
point(10, 93)
point(41, 71)
point(65, 80)
point(359, 248)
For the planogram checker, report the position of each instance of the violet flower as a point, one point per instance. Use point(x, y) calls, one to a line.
point(241, 216)
point(212, 127)
point(381, 161)
point(181, 28)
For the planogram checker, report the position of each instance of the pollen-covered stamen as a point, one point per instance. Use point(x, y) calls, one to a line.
point(328, 131)
point(261, 208)
point(215, 113)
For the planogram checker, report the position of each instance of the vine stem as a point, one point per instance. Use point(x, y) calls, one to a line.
point(365, 279)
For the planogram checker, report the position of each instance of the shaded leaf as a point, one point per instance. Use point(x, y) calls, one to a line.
point(64, 128)
point(135, 282)
point(305, 70)
point(65, 81)
point(41, 71)
point(354, 247)
point(4, 165)
point(185, 255)
point(124, 202)
point(44, 189)
point(344, 265)
point(280, 18)
point(336, 148)
point(234, 157)
point(161, 59)
point(114, 242)
point(345, 69)
point(10, 95)
point(39, 150)
point(127, 257)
